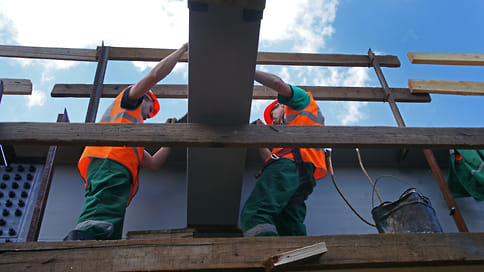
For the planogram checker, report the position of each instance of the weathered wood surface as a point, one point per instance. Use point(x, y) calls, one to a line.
point(447, 58)
point(446, 87)
point(328, 93)
point(199, 135)
point(17, 86)
point(369, 252)
point(156, 54)
point(48, 53)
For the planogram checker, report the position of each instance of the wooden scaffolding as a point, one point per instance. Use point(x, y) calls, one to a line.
point(385, 252)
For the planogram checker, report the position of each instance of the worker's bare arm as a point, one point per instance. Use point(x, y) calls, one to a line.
point(155, 162)
point(274, 82)
point(160, 71)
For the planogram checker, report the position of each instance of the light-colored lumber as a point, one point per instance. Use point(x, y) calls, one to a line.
point(369, 252)
point(17, 86)
point(156, 54)
point(56, 53)
point(447, 58)
point(199, 135)
point(446, 87)
point(328, 93)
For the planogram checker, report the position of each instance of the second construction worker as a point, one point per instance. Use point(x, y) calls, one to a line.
point(111, 172)
point(276, 205)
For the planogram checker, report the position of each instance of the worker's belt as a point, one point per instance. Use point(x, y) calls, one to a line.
point(304, 177)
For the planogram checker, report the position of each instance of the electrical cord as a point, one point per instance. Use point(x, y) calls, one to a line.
point(368, 177)
point(331, 172)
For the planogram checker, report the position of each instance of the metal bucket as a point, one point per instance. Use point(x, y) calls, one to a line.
point(412, 212)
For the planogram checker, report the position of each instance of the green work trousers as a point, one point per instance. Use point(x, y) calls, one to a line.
point(107, 193)
point(272, 208)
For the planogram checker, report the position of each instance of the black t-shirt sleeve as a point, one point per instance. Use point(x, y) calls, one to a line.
point(129, 104)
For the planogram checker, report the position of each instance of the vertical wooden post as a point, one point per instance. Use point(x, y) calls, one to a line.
point(429, 155)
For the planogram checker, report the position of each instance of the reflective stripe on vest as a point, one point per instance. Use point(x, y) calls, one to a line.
point(131, 157)
point(311, 115)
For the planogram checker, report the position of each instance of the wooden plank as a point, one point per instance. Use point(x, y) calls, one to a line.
point(200, 135)
point(327, 93)
point(153, 54)
point(368, 252)
point(307, 59)
point(446, 87)
point(447, 58)
point(17, 86)
point(269, 58)
point(48, 53)
point(141, 54)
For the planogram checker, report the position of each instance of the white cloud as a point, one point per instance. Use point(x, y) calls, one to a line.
point(59, 23)
point(305, 24)
point(37, 98)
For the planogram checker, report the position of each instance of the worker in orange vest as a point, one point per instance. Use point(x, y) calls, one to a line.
point(276, 206)
point(111, 172)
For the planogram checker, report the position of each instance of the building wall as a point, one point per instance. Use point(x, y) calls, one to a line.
point(161, 199)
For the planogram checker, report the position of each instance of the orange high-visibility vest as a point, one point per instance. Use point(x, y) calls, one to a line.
point(131, 157)
point(309, 116)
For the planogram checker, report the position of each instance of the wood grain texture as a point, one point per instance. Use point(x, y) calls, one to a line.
point(447, 58)
point(48, 53)
point(199, 135)
point(368, 252)
point(327, 93)
point(446, 87)
point(156, 54)
point(17, 86)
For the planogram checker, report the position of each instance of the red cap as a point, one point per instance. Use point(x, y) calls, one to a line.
point(156, 105)
point(267, 113)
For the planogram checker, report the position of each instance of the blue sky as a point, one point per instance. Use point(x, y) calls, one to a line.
point(389, 27)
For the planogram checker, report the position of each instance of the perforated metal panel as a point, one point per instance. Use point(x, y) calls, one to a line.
point(19, 188)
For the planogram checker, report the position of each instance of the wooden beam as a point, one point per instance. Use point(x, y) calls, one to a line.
point(48, 53)
point(446, 87)
point(447, 58)
point(17, 86)
point(306, 59)
point(269, 58)
point(153, 54)
point(327, 93)
point(368, 252)
point(199, 135)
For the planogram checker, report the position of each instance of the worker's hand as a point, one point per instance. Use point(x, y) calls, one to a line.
point(184, 47)
point(258, 122)
point(170, 121)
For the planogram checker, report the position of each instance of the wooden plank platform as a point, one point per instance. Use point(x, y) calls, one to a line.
point(447, 58)
point(17, 86)
point(327, 93)
point(200, 135)
point(446, 87)
point(369, 252)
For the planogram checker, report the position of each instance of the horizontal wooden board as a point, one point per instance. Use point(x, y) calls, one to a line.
point(319, 92)
point(447, 58)
point(48, 53)
point(17, 86)
point(199, 135)
point(368, 252)
point(153, 54)
point(446, 87)
point(307, 59)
